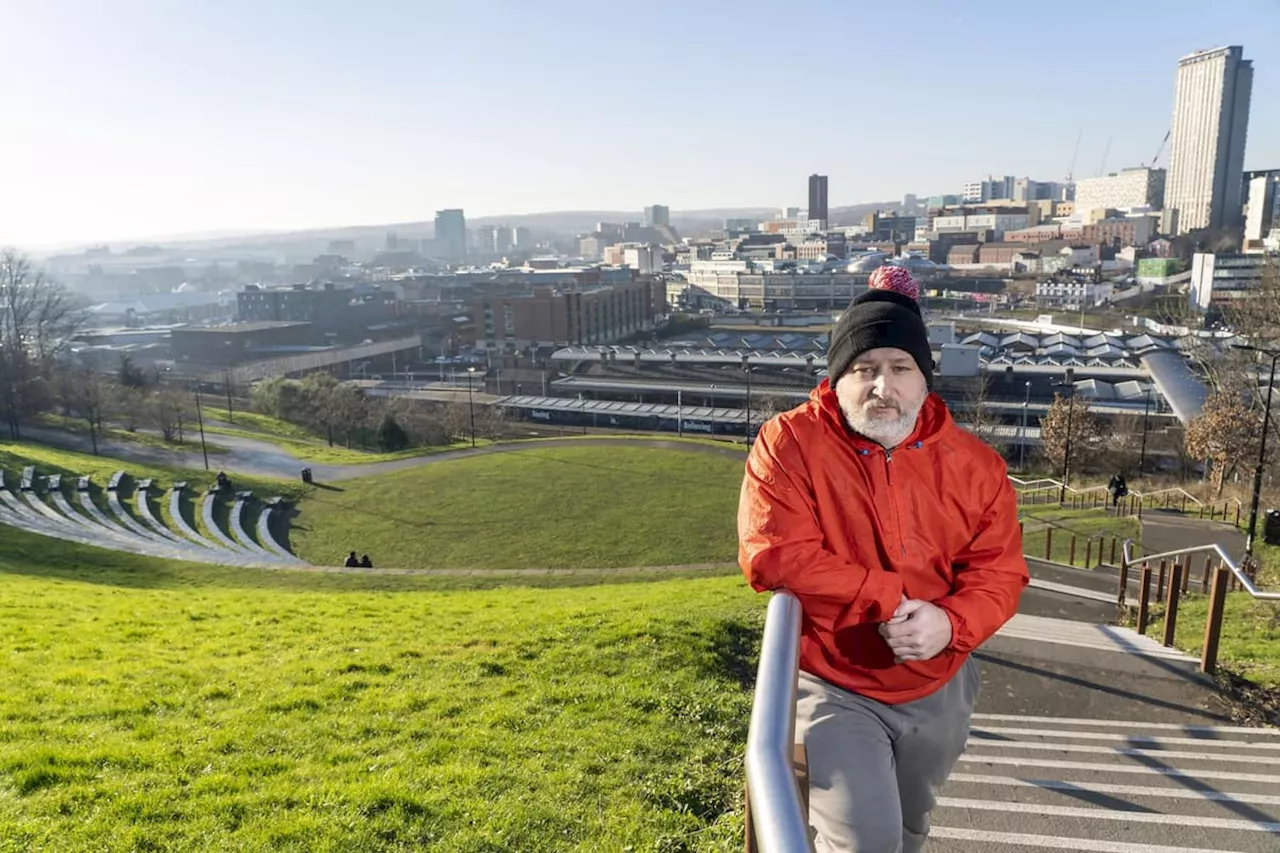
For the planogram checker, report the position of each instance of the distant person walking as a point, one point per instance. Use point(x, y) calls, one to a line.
point(898, 532)
point(1118, 488)
point(352, 562)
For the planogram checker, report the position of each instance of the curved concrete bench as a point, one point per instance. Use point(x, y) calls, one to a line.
point(128, 521)
point(238, 531)
point(175, 513)
point(206, 512)
point(35, 502)
point(269, 541)
point(141, 498)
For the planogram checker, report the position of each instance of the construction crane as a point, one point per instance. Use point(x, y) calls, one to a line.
point(1160, 150)
point(1074, 154)
point(1106, 151)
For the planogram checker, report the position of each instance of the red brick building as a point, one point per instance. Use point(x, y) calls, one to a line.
point(564, 316)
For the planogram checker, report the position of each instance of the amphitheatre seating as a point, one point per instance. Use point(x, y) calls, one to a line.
point(207, 506)
point(142, 498)
point(89, 524)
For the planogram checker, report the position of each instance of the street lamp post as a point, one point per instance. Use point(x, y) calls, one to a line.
point(1066, 456)
point(1262, 446)
point(1146, 414)
point(200, 420)
point(1022, 448)
point(679, 413)
point(746, 367)
point(471, 409)
point(582, 401)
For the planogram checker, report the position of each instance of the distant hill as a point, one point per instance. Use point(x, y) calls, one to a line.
point(542, 225)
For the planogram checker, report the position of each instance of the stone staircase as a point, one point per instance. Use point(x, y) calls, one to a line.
point(40, 505)
point(1090, 737)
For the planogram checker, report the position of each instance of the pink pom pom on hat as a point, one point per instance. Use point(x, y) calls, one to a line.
point(896, 279)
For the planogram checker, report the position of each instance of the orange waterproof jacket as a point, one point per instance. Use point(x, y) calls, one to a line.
point(849, 527)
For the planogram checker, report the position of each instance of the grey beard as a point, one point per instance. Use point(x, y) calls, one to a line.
point(886, 433)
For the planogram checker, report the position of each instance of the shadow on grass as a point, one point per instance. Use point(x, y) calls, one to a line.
point(734, 651)
point(34, 556)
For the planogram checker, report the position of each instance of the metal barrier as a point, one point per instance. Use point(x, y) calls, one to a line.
point(778, 815)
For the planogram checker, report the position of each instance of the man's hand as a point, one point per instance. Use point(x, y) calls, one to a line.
point(917, 631)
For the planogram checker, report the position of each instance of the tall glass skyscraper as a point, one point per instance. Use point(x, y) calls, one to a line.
point(1206, 154)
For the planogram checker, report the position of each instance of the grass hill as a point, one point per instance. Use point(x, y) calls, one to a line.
point(543, 506)
point(152, 706)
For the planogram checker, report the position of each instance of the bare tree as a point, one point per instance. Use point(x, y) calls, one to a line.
point(166, 409)
point(36, 322)
point(85, 395)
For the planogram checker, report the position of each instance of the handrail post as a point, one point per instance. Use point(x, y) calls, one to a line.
point(778, 817)
point(1213, 620)
point(1122, 598)
point(1171, 603)
point(1144, 597)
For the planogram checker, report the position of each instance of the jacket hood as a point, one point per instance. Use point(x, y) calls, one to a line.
point(933, 422)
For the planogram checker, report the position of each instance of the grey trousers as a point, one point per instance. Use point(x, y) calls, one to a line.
point(875, 769)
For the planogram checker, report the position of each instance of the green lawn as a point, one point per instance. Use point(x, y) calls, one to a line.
point(154, 706)
point(16, 455)
point(545, 506)
point(190, 439)
point(1085, 524)
point(308, 446)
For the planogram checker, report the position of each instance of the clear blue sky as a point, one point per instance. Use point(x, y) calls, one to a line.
point(129, 119)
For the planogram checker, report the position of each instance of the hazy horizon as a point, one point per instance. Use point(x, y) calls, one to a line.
point(138, 122)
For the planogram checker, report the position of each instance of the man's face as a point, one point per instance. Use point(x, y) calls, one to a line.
point(881, 395)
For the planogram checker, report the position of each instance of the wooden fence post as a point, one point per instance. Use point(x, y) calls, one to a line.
point(1204, 576)
point(1071, 552)
point(1213, 623)
point(1113, 550)
point(1088, 552)
point(1186, 575)
point(1048, 543)
point(1144, 597)
point(1164, 567)
point(1171, 603)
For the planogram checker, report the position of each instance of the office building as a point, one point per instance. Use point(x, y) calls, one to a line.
point(657, 215)
point(1123, 190)
point(551, 315)
point(1218, 278)
point(1262, 207)
point(1206, 150)
point(451, 234)
point(818, 197)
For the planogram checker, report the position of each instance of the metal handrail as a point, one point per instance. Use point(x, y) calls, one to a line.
point(1214, 548)
point(777, 810)
point(1031, 486)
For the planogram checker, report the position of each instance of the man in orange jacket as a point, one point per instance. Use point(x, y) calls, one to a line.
point(898, 532)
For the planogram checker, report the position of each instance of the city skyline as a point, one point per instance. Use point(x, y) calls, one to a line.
point(143, 122)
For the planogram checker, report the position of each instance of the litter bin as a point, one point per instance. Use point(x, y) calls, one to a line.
point(306, 475)
point(1271, 527)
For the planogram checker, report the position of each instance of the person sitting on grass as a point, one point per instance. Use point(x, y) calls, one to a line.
point(352, 562)
point(365, 562)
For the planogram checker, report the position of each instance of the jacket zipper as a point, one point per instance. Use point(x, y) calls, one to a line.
point(893, 499)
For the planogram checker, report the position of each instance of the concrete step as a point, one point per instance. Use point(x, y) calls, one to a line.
point(1031, 783)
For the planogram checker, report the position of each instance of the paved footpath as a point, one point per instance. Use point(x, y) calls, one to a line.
point(1087, 737)
point(264, 459)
